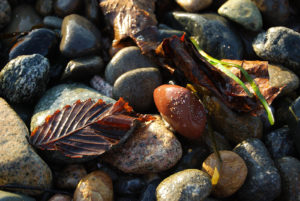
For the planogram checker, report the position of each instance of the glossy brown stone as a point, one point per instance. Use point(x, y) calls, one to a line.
point(96, 186)
point(232, 175)
point(181, 109)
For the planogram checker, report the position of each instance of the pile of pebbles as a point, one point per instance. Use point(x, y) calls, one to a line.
point(62, 53)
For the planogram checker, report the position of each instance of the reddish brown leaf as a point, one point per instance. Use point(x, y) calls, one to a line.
point(134, 19)
point(86, 128)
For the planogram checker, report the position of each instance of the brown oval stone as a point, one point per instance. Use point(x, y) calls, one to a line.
point(232, 175)
point(96, 186)
point(181, 109)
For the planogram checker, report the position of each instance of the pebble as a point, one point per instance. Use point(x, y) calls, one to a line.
point(151, 148)
point(56, 98)
point(149, 192)
point(263, 182)
point(79, 37)
point(83, 68)
point(186, 185)
point(294, 124)
point(8, 196)
point(181, 109)
point(233, 172)
point(60, 197)
point(137, 86)
point(212, 32)
point(129, 186)
point(166, 33)
point(221, 142)
point(289, 169)
point(96, 186)
point(101, 85)
point(128, 58)
point(63, 8)
point(39, 41)
point(44, 7)
point(5, 13)
point(92, 11)
point(194, 5)
point(277, 45)
point(24, 78)
point(52, 22)
point(69, 177)
point(243, 12)
point(274, 12)
point(283, 77)
point(280, 143)
point(18, 161)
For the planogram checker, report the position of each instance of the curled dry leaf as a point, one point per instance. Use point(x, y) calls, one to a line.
point(87, 128)
point(134, 19)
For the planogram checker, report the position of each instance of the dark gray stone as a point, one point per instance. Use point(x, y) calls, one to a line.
point(24, 78)
point(137, 86)
point(79, 37)
point(279, 45)
point(5, 13)
point(44, 7)
point(52, 22)
point(149, 192)
point(92, 11)
point(294, 123)
point(129, 185)
point(128, 58)
point(289, 169)
point(83, 68)
point(212, 32)
point(63, 8)
point(280, 143)
point(7, 196)
point(263, 180)
point(166, 33)
point(186, 185)
point(39, 41)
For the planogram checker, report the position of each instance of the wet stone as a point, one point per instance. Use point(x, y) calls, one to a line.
point(129, 186)
point(263, 182)
point(212, 32)
point(60, 197)
point(194, 5)
point(294, 123)
point(44, 7)
point(5, 13)
point(166, 33)
point(8, 196)
point(18, 161)
point(52, 22)
point(243, 12)
point(63, 8)
point(221, 141)
point(83, 68)
point(149, 192)
point(280, 143)
point(278, 45)
point(289, 169)
point(186, 185)
point(79, 37)
point(39, 41)
point(24, 78)
point(151, 148)
point(70, 176)
point(92, 12)
point(137, 86)
point(128, 58)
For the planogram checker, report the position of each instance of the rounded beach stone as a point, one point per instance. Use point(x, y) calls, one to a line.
point(66, 7)
point(186, 185)
point(194, 5)
point(96, 186)
point(60, 197)
point(44, 7)
point(18, 161)
point(8, 196)
point(263, 181)
point(24, 78)
point(52, 22)
point(128, 58)
point(181, 109)
point(137, 86)
point(243, 12)
point(5, 12)
point(151, 148)
point(129, 186)
point(70, 176)
point(233, 172)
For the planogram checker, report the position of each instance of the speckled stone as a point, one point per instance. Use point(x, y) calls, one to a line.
point(279, 45)
point(24, 78)
point(289, 169)
point(243, 12)
point(137, 86)
point(56, 98)
point(186, 185)
point(18, 161)
point(128, 58)
point(194, 5)
point(151, 148)
point(52, 22)
point(263, 181)
point(101, 85)
point(8, 196)
point(66, 7)
point(5, 12)
point(70, 176)
point(79, 37)
point(44, 7)
point(83, 68)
